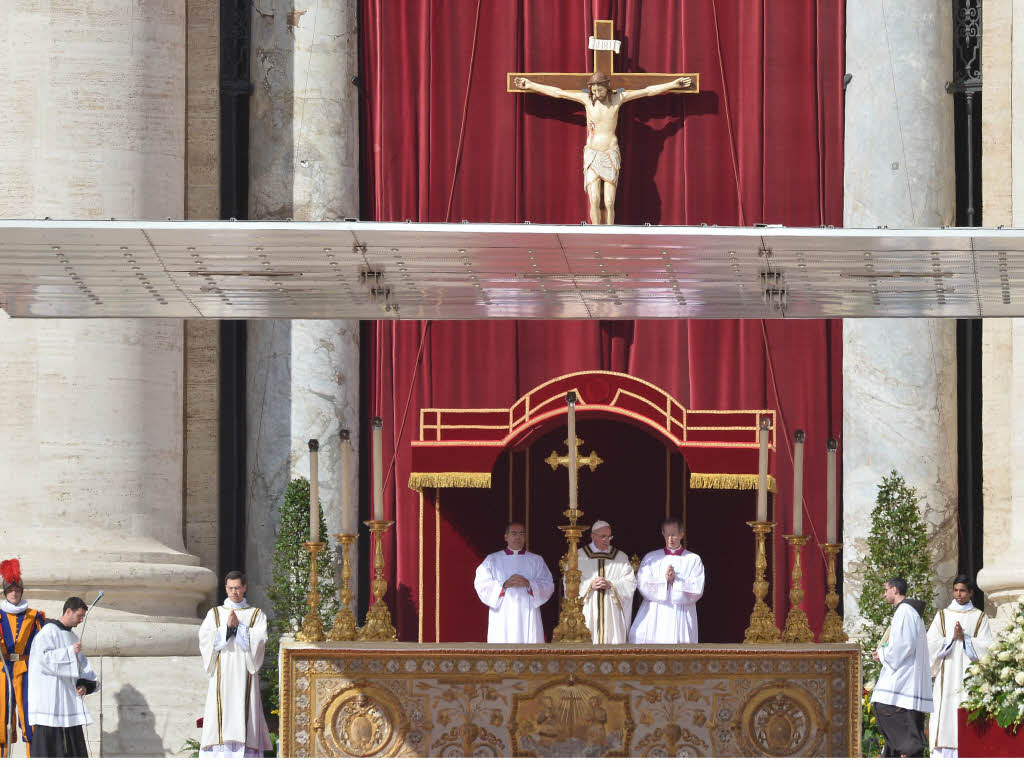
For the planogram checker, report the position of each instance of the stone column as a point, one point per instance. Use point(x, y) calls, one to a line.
point(91, 411)
point(1002, 338)
point(303, 375)
point(91, 419)
point(899, 376)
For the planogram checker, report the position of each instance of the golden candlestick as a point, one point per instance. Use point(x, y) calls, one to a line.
point(377, 627)
point(312, 629)
point(762, 628)
point(344, 628)
point(571, 625)
point(832, 628)
point(797, 628)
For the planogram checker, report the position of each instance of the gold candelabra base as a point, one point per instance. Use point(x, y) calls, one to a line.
point(572, 628)
point(344, 628)
point(762, 628)
point(832, 628)
point(377, 627)
point(797, 628)
point(312, 629)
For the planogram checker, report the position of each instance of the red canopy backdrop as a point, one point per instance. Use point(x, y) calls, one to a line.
point(443, 141)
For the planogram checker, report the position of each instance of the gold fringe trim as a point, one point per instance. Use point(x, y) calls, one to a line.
point(421, 479)
point(729, 482)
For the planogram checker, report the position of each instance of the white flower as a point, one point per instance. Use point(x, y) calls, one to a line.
point(1005, 655)
point(1019, 677)
point(985, 689)
point(870, 685)
point(1004, 672)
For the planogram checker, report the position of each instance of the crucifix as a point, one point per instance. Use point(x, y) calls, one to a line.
point(591, 461)
point(594, 90)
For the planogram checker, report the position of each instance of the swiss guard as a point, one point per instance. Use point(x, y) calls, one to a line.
point(19, 625)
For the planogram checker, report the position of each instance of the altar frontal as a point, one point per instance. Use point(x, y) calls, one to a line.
point(405, 699)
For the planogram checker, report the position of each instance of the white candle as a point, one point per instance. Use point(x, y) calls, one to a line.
point(348, 520)
point(830, 492)
point(378, 469)
point(762, 472)
point(798, 482)
point(573, 491)
point(314, 492)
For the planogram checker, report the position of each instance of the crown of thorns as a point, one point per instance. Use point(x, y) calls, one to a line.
point(599, 78)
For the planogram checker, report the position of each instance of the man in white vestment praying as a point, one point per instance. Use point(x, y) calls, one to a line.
point(231, 641)
point(514, 583)
point(959, 635)
point(903, 692)
point(607, 583)
point(671, 580)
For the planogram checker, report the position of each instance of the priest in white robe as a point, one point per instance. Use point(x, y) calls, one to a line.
point(514, 583)
point(231, 641)
point(59, 678)
point(903, 692)
point(607, 583)
point(671, 581)
point(959, 635)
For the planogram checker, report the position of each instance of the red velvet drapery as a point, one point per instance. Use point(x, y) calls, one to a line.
point(443, 141)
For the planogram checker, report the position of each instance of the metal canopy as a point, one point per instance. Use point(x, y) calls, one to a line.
point(240, 270)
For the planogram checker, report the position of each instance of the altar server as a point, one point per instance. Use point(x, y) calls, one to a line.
point(19, 625)
point(903, 692)
point(607, 584)
point(232, 640)
point(514, 583)
point(671, 581)
point(958, 636)
point(59, 678)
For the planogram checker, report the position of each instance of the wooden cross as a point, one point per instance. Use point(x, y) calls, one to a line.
point(605, 46)
point(592, 461)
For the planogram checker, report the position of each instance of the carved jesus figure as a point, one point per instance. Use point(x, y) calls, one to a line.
point(601, 156)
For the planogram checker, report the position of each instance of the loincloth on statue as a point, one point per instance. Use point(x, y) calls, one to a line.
point(601, 165)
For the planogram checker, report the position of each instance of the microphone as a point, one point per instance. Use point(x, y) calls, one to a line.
point(85, 621)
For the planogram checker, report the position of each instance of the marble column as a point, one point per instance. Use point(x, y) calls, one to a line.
point(899, 376)
point(303, 375)
point(91, 413)
point(1002, 338)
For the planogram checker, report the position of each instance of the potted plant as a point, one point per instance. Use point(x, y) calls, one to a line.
point(994, 709)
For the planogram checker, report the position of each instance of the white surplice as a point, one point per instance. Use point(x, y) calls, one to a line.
point(668, 614)
point(53, 671)
point(904, 680)
point(233, 722)
point(514, 613)
point(606, 611)
point(949, 663)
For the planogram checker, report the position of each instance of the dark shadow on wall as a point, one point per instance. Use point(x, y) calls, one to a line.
point(136, 734)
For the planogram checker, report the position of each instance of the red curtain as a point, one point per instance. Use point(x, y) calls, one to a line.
point(762, 142)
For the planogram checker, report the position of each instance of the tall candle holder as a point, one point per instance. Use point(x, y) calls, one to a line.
point(344, 628)
point(762, 628)
point(377, 627)
point(571, 625)
point(312, 629)
point(832, 628)
point(797, 628)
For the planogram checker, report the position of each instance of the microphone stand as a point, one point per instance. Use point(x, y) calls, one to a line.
point(81, 698)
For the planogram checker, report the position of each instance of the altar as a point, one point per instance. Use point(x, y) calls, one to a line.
point(475, 700)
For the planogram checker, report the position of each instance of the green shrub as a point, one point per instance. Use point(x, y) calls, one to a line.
point(897, 547)
point(290, 585)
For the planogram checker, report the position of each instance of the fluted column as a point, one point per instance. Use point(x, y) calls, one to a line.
point(899, 376)
point(303, 375)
